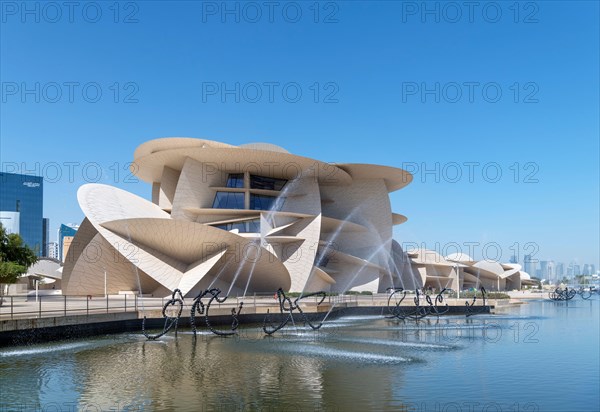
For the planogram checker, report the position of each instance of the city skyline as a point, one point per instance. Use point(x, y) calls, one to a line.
point(475, 248)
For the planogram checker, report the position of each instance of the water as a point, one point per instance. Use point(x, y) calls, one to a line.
point(266, 222)
point(543, 356)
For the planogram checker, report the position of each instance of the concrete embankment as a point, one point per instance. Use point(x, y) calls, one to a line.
point(36, 330)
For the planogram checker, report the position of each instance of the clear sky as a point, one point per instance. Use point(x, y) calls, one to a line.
point(464, 92)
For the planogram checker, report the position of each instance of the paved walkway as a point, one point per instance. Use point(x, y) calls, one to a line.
point(22, 307)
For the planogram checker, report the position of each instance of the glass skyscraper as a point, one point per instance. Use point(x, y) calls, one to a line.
point(65, 232)
point(21, 208)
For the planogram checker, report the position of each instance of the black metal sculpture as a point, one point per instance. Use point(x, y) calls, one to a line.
point(395, 311)
point(434, 309)
point(471, 310)
point(585, 294)
point(170, 321)
point(419, 311)
point(202, 309)
point(562, 295)
point(287, 306)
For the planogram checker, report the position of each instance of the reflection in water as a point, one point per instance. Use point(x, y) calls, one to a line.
point(352, 363)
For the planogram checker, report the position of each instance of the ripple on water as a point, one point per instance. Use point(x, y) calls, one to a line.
point(395, 343)
point(339, 354)
point(43, 349)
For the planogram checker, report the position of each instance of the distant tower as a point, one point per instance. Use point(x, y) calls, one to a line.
point(559, 270)
point(66, 233)
point(21, 208)
point(570, 271)
point(52, 250)
point(529, 265)
point(550, 271)
point(45, 236)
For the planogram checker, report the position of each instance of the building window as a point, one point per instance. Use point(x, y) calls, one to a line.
point(228, 200)
point(262, 202)
point(240, 226)
point(251, 226)
point(266, 183)
point(235, 180)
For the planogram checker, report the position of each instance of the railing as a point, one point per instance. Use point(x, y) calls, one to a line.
point(27, 307)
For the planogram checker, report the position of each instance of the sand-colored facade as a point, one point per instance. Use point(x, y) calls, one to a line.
point(459, 271)
point(246, 219)
point(252, 219)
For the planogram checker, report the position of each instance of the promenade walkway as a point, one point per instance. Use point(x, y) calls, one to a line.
point(23, 307)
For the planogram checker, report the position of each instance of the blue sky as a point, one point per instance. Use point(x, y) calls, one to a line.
point(517, 90)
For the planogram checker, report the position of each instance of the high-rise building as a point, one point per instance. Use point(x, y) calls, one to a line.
point(576, 270)
point(544, 270)
point(45, 235)
point(570, 273)
point(587, 269)
point(550, 271)
point(66, 233)
point(52, 251)
point(593, 269)
point(21, 208)
point(547, 270)
point(513, 259)
point(66, 244)
point(559, 270)
point(529, 265)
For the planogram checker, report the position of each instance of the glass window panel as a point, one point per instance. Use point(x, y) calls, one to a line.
point(240, 226)
point(266, 183)
point(228, 200)
point(235, 180)
point(252, 226)
point(262, 202)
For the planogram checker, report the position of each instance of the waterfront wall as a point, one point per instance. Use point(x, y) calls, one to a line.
point(20, 332)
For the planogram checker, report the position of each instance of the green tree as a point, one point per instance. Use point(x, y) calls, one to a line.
point(15, 258)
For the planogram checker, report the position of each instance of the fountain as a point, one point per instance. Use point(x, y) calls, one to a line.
point(198, 307)
point(170, 321)
point(585, 294)
point(566, 294)
point(419, 311)
point(202, 309)
point(560, 294)
point(289, 310)
point(471, 310)
point(433, 307)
